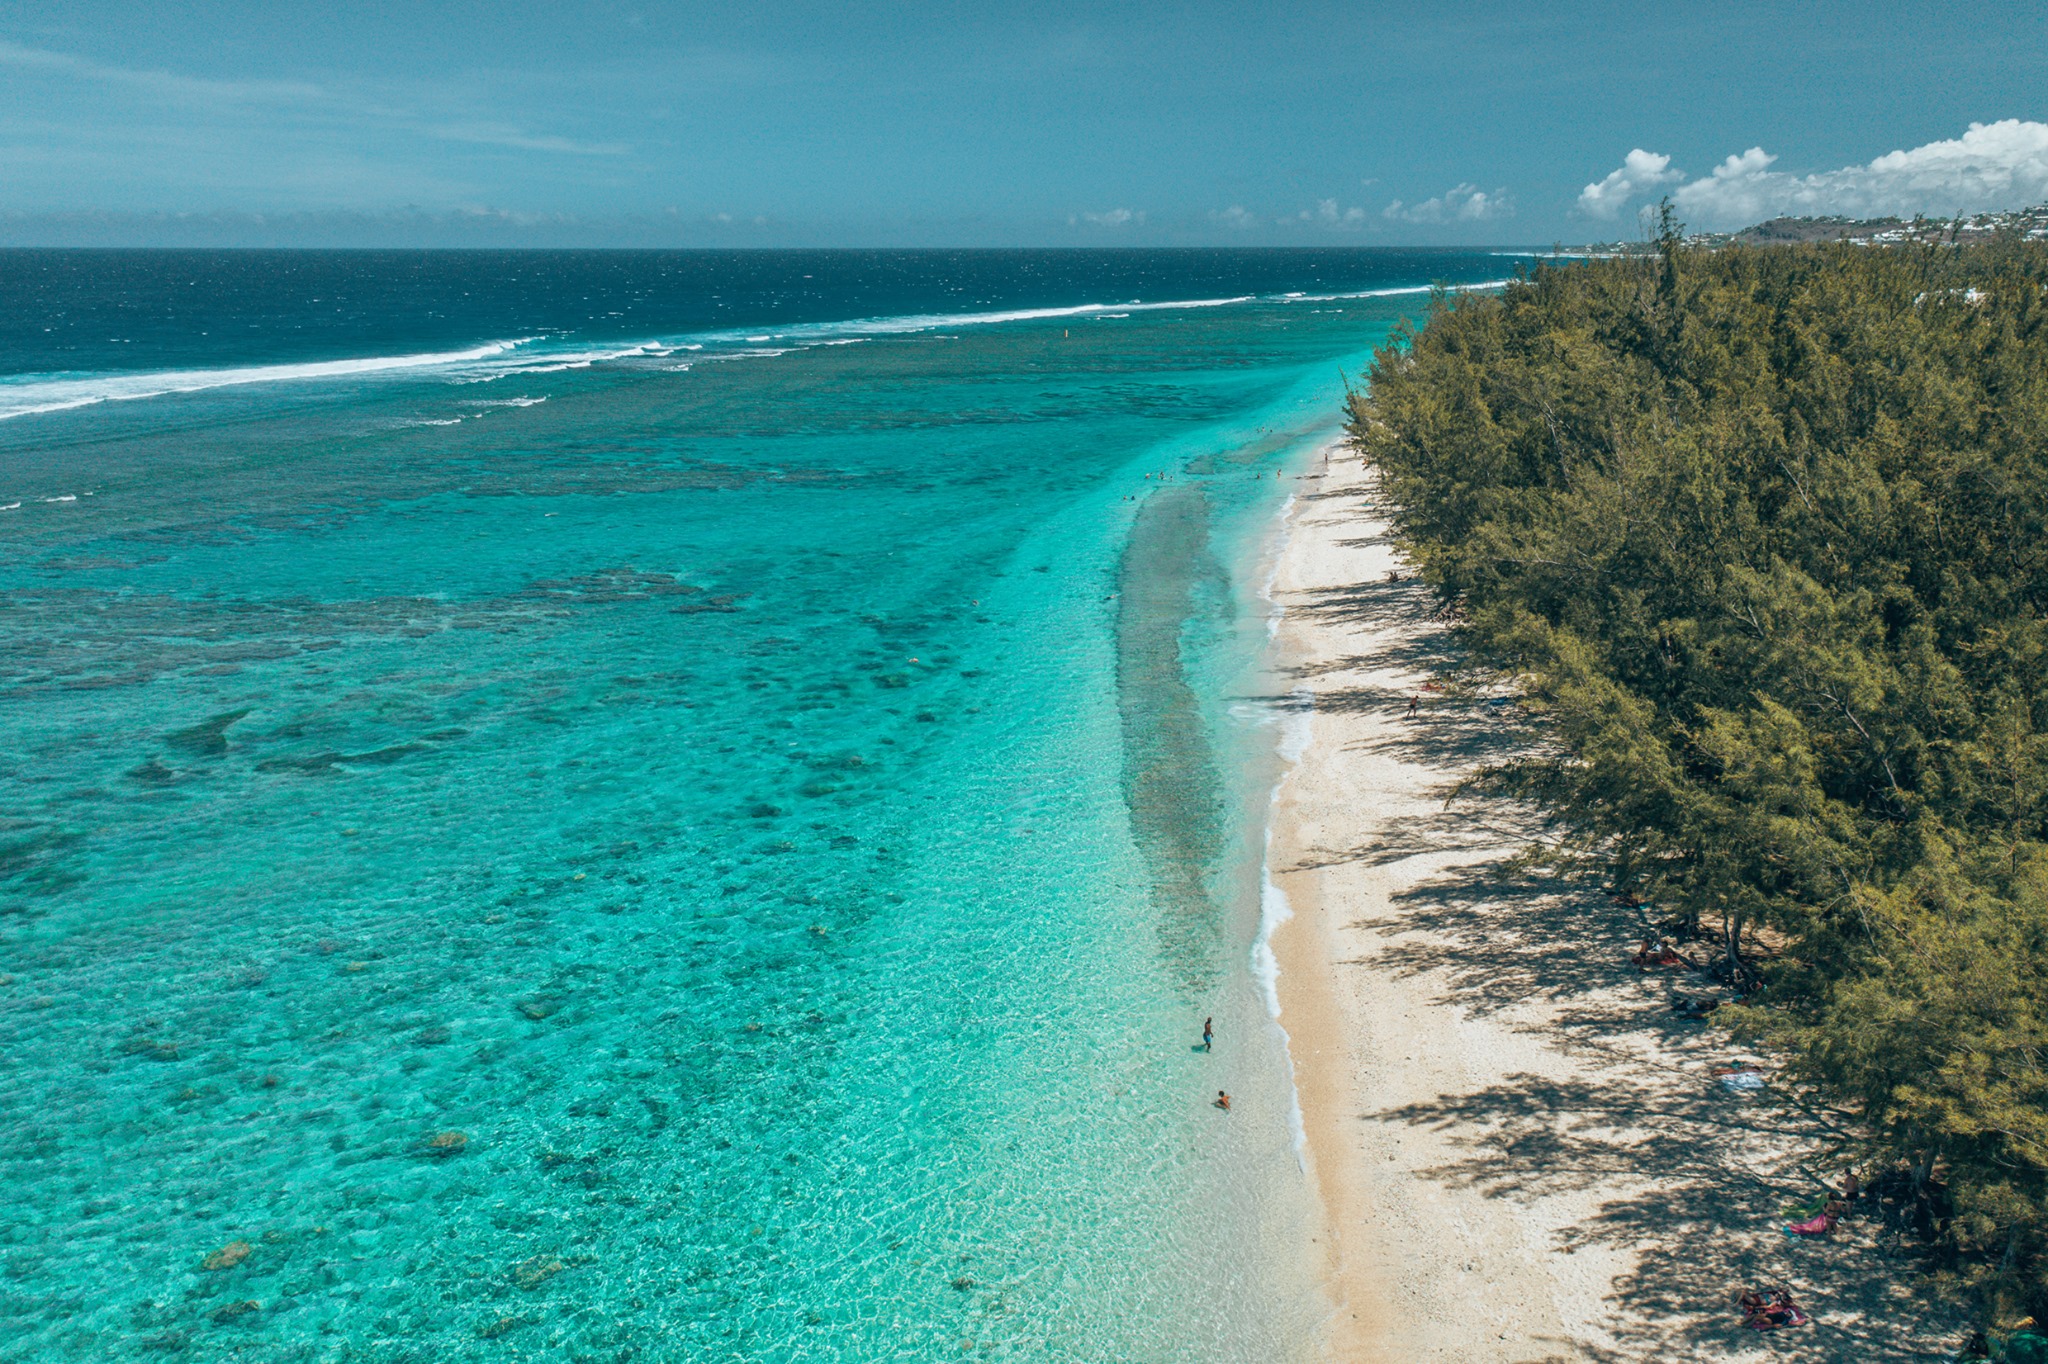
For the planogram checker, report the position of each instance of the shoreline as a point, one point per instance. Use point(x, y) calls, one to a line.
point(1519, 1152)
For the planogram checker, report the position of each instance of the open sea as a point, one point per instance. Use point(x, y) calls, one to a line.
point(602, 806)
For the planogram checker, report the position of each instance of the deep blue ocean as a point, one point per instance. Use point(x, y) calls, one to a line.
point(604, 806)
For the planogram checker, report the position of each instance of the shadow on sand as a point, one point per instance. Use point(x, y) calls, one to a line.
point(1644, 1110)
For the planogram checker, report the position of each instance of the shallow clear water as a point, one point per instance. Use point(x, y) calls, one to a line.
point(711, 863)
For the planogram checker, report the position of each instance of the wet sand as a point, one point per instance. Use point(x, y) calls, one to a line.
point(1521, 1152)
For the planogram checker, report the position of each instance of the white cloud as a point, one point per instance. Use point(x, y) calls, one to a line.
point(1235, 217)
point(161, 83)
point(1327, 213)
point(1639, 171)
point(1116, 217)
point(1992, 166)
point(288, 98)
point(503, 135)
point(1465, 203)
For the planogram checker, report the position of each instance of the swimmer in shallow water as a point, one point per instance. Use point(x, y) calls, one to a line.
point(1223, 1101)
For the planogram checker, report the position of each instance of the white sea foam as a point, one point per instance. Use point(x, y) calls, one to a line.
point(1296, 727)
point(1274, 611)
point(11, 506)
point(819, 333)
point(492, 361)
point(1402, 291)
point(39, 394)
point(1274, 910)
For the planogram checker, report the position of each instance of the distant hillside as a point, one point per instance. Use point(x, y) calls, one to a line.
point(1815, 229)
point(2031, 223)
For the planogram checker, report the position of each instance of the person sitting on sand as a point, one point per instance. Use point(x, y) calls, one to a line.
point(1223, 1101)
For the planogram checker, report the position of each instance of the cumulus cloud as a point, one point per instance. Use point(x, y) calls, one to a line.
point(1992, 166)
point(1236, 217)
point(1465, 203)
point(1116, 217)
point(1327, 213)
point(1639, 171)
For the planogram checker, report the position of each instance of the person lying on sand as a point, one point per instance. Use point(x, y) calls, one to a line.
point(1763, 1311)
point(1822, 1222)
point(1660, 953)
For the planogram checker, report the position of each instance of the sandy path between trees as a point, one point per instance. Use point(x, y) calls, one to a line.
point(1522, 1153)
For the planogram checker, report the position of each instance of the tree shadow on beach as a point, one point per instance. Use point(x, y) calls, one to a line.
point(1688, 1181)
point(1385, 603)
point(1703, 1176)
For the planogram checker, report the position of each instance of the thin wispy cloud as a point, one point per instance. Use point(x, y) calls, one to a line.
point(161, 83)
point(1462, 203)
point(497, 135)
point(1115, 217)
point(1991, 166)
point(398, 112)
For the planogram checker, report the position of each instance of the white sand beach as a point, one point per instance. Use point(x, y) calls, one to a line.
point(1522, 1151)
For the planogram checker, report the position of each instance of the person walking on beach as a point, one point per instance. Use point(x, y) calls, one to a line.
point(1413, 702)
point(1223, 1101)
point(1208, 1035)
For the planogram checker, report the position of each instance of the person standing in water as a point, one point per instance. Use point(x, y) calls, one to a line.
point(1208, 1035)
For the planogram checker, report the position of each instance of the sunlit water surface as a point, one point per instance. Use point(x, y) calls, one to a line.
point(634, 852)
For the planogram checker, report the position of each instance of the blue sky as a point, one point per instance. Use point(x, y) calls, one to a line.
point(790, 122)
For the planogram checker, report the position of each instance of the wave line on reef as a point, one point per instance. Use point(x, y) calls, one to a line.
point(485, 362)
point(57, 395)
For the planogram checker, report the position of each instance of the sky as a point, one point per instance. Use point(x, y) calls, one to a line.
point(793, 122)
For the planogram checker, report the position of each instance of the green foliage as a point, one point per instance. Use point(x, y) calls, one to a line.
point(1765, 534)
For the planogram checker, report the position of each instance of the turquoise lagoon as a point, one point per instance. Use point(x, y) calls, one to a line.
point(604, 851)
